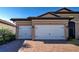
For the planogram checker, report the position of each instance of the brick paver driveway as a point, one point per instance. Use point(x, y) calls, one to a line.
point(12, 46)
point(49, 47)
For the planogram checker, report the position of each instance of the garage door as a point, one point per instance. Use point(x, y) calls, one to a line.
point(25, 32)
point(49, 32)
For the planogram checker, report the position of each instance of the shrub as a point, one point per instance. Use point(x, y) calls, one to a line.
point(6, 36)
point(71, 38)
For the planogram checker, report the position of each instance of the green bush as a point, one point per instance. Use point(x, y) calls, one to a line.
point(71, 38)
point(6, 36)
point(75, 42)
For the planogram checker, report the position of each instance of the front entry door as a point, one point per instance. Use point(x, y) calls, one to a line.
point(71, 29)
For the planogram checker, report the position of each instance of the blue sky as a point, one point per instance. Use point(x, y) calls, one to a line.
point(7, 13)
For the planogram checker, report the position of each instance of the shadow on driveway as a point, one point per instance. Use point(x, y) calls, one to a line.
point(12, 46)
point(55, 41)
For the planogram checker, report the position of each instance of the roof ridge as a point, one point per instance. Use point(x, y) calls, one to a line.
point(65, 9)
point(49, 13)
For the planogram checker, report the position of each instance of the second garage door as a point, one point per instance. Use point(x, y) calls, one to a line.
point(49, 32)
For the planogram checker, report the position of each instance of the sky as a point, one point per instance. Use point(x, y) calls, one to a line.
point(6, 13)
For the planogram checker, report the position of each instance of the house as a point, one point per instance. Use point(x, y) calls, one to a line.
point(59, 25)
point(7, 25)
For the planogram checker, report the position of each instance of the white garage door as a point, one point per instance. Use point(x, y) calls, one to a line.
point(25, 32)
point(52, 32)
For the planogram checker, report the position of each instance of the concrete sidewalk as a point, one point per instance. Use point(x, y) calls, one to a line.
point(12, 46)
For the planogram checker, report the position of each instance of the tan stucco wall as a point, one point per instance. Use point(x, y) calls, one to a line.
point(49, 21)
point(22, 23)
point(5, 26)
point(77, 29)
point(76, 20)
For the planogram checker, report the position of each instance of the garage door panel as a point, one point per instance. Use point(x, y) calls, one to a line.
point(57, 37)
point(49, 32)
point(41, 33)
point(43, 36)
